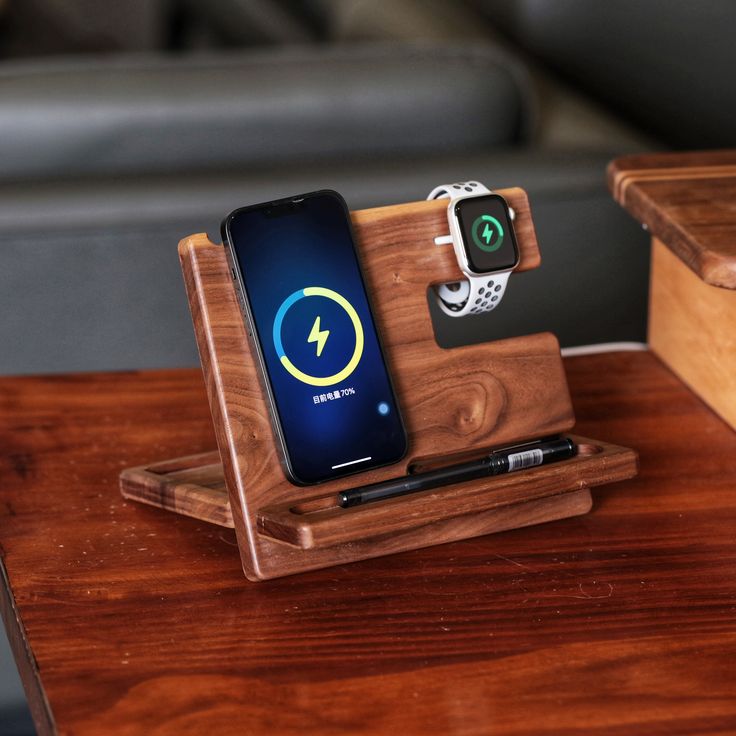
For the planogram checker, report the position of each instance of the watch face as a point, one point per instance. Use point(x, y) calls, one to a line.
point(487, 232)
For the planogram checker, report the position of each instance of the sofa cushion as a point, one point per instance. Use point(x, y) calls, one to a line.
point(216, 112)
point(667, 66)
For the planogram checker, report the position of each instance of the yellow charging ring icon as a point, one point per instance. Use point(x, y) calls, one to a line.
point(357, 326)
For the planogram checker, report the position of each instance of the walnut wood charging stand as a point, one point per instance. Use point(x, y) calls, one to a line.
point(456, 404)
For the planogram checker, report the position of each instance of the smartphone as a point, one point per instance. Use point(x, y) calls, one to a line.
point(300, 286)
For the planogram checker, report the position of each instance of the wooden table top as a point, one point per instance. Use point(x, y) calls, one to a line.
point(129, 620)
point(688, 201)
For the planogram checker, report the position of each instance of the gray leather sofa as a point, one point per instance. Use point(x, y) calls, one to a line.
point(106, 163)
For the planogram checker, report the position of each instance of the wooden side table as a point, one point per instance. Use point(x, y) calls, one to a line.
point(126, 619)
point(688, 203)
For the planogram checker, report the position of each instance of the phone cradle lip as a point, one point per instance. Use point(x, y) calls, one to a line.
point(495, 463)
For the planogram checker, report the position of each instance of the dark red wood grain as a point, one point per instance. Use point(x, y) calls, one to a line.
point(138, 621)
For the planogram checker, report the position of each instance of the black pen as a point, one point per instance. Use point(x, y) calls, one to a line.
point(496, 463)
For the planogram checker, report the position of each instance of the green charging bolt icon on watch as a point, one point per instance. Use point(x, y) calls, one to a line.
point(487, 233)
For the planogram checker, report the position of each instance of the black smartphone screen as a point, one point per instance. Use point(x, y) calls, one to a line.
point(488, 233)
point(334, 404)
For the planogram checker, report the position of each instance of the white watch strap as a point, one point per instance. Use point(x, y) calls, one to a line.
point(480, 293)
point(458, 189)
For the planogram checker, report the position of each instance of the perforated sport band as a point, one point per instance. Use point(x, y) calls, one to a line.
point(480, 293)
point(459, 189)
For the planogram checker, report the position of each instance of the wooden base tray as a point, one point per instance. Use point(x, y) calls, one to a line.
point(195, 486)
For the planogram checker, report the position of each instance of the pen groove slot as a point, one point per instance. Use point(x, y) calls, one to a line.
point(319, 522)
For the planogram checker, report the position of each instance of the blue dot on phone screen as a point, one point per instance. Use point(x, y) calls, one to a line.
point(383, 408)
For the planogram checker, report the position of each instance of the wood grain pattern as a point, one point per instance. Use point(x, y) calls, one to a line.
point(400, 259)
point(192, 485)
point(470, 397)
point(692, 327)
point(686, 201)
point(135, 621)
point(27, 666)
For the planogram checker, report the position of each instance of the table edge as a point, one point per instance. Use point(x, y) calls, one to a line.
point(25, 661)
point(623, 175)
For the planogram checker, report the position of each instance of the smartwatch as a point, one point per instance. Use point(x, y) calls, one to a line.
point(482, 234)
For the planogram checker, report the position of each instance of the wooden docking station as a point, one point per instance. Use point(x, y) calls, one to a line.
point(457, 404)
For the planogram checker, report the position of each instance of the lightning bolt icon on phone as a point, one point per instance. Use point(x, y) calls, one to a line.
point(318, 336)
